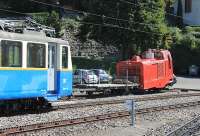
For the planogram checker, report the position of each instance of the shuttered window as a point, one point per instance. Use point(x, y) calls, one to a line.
point(188, 6)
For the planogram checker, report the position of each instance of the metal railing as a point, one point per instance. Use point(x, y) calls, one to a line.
point(93, 79)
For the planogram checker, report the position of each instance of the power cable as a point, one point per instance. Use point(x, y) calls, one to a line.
point(11, 11)
point(143, 4)
point(95, 24)
point(84, 12)
point(89, 13)
point(116, 26)
point(108, 17)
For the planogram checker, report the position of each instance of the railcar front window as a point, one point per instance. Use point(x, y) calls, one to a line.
point(11, 54)
point(36, 55)
point(64, 57)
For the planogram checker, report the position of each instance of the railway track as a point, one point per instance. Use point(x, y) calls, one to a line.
point(67, 105)
point(187, 129)
point(120, 101)
point(120, 114)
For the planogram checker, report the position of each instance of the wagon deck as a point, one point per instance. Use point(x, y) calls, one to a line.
point(103, 87)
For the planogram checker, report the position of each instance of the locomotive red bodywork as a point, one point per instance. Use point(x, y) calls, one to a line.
point(153, 70)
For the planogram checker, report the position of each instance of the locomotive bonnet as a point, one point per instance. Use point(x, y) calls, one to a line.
point(153, 69)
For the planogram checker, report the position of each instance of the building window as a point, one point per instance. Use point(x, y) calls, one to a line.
point(188, 6)
point(64, 57)
point(36, 55)
point(11, 54)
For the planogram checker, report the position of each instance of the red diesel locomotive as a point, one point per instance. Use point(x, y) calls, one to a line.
point(152, 70)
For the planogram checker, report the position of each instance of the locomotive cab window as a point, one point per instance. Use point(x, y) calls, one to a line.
point(159, 55)
point(36, 54)
point(64, 57)
point(11, 54)
point(170, 63)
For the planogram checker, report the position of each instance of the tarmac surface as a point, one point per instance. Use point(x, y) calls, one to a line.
point(188, 83)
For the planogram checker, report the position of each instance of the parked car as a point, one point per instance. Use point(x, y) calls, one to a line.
point(102, 75)
point(84, 76)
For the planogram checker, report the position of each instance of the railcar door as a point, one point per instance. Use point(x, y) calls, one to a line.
point(52, 52)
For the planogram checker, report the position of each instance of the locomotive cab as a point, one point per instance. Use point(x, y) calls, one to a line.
point(152, 70)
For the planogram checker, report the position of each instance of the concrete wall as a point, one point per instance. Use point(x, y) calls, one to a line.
point(192, 18)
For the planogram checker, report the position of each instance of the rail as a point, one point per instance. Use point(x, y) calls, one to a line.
point(62, 123)
point(98, 103)
point(187, 128)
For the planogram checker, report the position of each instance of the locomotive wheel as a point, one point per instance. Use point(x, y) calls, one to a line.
point(89, 93)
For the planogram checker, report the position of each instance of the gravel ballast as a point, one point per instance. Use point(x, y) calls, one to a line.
point(152, 124)
point(82, 112)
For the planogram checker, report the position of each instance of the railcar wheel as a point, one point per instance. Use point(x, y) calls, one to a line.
point(113, 92)
point(107, 92)
point(119, 92)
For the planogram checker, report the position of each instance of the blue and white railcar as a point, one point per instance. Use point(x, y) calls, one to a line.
point(34, 66)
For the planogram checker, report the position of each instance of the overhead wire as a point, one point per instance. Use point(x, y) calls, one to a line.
point(83, 12)
point(167, 13)
point(116, 26)
point(91, 23)
point(89, 13)
point(103, 16)
point(143, 4)
point(11, 11)
point(108, 17)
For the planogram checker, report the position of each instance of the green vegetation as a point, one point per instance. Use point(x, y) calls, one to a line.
point(144, 26)
point(49, 19)
point(103, 63)
point(185, 48)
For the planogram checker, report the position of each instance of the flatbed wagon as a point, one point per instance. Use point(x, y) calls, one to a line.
point(104, 88)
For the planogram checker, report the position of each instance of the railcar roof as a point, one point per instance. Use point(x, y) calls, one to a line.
point(31, 37)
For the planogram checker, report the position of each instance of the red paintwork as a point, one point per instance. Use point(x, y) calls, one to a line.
point(153, 70)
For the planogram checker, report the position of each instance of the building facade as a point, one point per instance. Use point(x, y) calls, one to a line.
point(190, 11)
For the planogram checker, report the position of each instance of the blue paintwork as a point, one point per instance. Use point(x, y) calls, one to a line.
point(16, 84)
point(22, 83)
point(64, 83)
point(51, 97)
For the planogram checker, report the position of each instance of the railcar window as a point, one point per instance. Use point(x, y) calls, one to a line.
point(11, 54)
point(64, 57)
point(36, 55)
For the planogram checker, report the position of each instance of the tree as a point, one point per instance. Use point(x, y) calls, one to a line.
point(145, 24)
point(27, 6)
